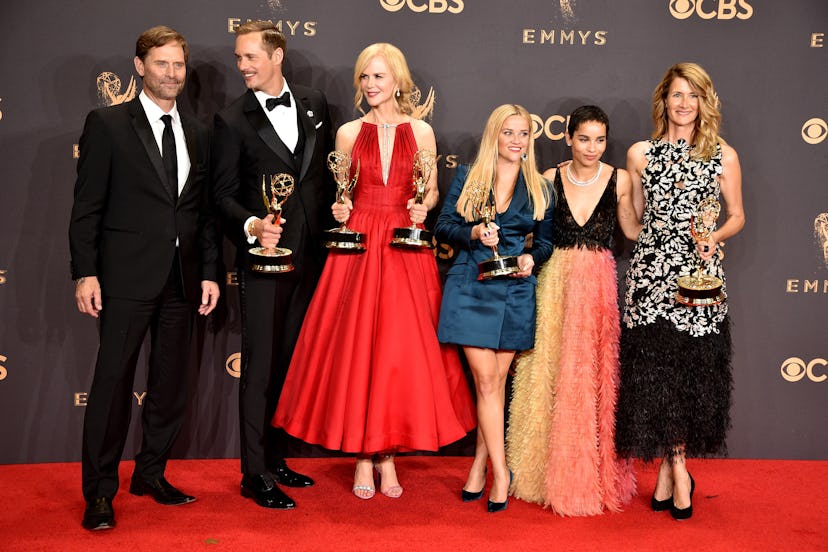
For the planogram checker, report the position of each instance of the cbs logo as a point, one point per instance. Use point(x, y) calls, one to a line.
point(814, 130)
point(3, 371)
point(716, 9)
point(432, 6)
point(553, 127)
point(233, 365)
point(794, 369)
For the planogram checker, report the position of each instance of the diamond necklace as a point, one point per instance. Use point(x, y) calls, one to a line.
point(583, 183)
point(385, 148)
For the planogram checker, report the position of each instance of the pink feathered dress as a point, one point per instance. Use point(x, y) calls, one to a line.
point(561, 433)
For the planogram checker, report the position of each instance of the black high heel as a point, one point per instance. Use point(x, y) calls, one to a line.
point(661, 505)
point(684, 513)
point(493, 507)
point(469, 496)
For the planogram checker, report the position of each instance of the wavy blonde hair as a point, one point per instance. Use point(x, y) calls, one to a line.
point(409, 93)
point(484, 168)
point(706, 136)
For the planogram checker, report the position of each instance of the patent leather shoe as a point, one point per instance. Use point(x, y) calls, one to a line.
point(263, 490)
point(161, 490)
point(99, 514)
point(283, 475)
point(684, 513)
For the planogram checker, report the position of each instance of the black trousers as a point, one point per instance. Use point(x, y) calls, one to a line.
point(123, 326)
point(273, 307)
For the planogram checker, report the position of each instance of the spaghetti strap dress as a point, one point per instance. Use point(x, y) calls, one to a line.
point(561, 434)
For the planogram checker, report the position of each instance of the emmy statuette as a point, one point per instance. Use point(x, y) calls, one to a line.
point(701, 289)
point(343, 238)
point(273, 259)
point(484, 206)
point(415, 236)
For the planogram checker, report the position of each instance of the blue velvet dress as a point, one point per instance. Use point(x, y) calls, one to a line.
point(497, 313)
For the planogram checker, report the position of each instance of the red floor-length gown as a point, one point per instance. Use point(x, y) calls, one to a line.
point(368, 374)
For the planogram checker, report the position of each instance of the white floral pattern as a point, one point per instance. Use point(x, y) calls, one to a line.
point(674, 183)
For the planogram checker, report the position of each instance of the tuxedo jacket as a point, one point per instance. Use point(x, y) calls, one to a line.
point(125, 219)
point(246, 147)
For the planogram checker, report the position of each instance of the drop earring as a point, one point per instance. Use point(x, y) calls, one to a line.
point(524, 156)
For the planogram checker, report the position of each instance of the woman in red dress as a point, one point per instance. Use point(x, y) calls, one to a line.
point(368, 375)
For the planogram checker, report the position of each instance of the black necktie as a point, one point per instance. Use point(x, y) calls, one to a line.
point(169, 155)
point(284, 100)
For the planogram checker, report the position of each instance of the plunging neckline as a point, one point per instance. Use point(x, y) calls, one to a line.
point(385, 172)
point(594, 207)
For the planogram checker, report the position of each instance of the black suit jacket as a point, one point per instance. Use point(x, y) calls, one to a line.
point(125, 220)
point(245, 147)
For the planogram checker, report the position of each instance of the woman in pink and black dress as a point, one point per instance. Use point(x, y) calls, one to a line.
point(561, 438)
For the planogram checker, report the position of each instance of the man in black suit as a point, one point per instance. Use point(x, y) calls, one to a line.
point(275, 127)
point(144, 247)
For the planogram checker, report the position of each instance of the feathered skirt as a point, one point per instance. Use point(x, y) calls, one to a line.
point(561, 434)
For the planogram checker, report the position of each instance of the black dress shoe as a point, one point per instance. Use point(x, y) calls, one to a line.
point(99, 514)
point(283, 475)
point(264, 491)
point(161, 490)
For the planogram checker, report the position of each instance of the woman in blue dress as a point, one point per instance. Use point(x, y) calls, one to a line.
point(492, 319)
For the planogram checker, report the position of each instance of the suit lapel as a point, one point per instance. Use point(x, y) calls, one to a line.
point(259, 121)
point(142, 128)
point(519, 202)
point(310, 133)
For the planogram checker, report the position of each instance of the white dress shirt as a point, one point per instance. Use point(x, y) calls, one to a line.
point(282, 118)
point(154, 114)
point(285, 124)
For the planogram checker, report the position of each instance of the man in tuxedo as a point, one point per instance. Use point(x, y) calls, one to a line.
point(144, 258)
point(273, 128)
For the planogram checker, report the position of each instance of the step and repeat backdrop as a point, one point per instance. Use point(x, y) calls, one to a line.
point(59, 60)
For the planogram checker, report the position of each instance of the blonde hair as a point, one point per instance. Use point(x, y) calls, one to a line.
point(706, 135)
point(484, 168)
point(408, 96)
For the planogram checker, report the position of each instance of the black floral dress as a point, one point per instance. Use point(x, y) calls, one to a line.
point(675, 360)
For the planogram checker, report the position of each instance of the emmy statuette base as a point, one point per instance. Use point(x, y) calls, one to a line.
point(497, 267)
point(700, 291)
point(271, 261)
point(413, 238)
point(344, 240)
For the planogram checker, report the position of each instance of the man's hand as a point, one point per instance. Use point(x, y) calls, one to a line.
point(268, 233)
point(209, 297)
point(88, 295)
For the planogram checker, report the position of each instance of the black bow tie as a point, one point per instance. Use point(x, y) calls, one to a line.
point(284, 100)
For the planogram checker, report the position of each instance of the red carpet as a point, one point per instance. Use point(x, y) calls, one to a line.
point(739, 505)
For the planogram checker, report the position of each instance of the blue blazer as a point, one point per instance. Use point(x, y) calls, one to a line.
point(497, 313)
